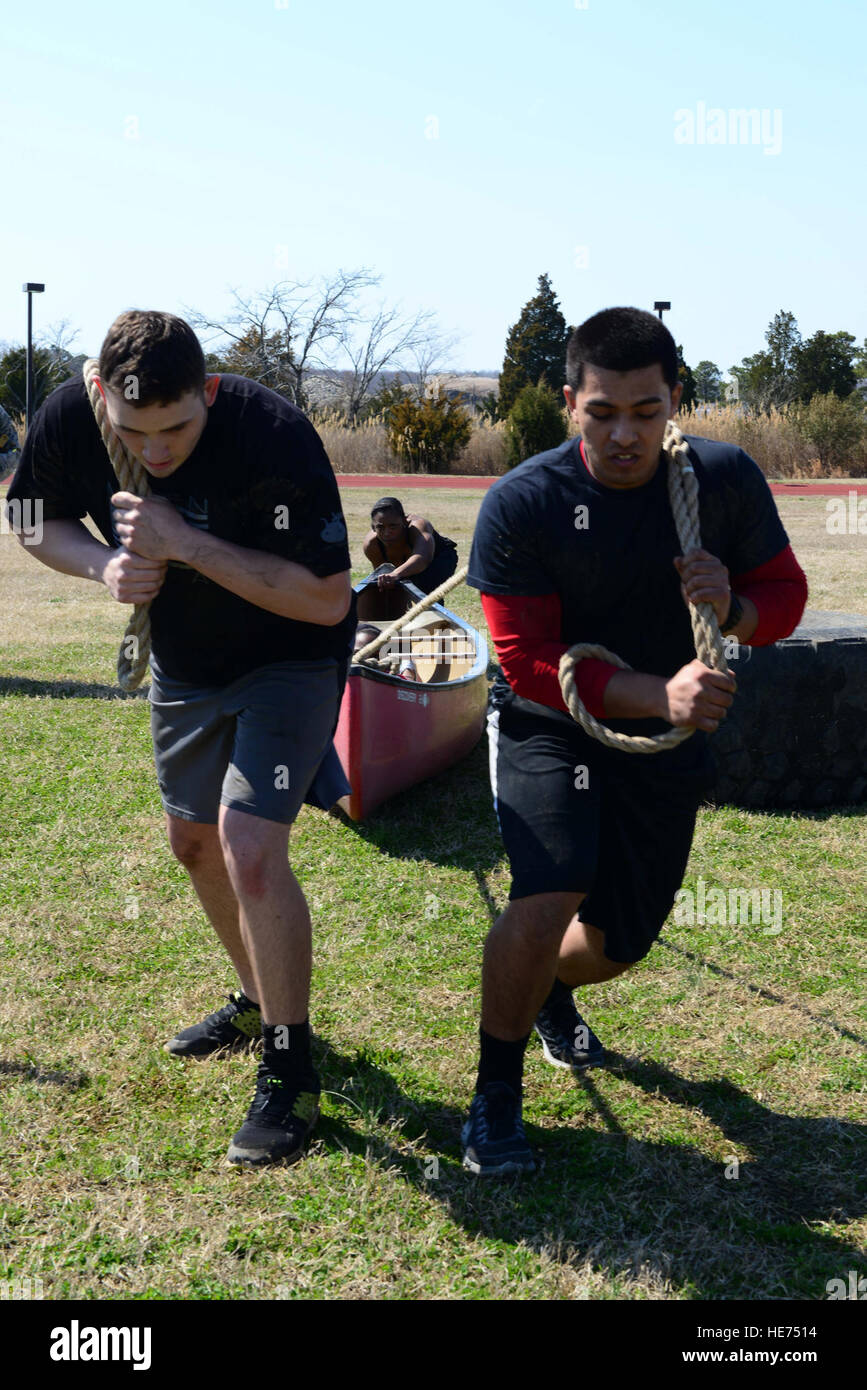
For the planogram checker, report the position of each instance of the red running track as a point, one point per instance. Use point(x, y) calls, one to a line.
point(384, 482)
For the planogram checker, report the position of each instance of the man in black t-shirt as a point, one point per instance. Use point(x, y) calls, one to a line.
point(580, 545)
point(241, 551)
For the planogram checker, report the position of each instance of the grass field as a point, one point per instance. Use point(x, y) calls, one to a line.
point(721, 1155)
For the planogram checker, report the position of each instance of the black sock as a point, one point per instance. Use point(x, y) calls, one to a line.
point(558, 992)
point(286, 1050)
point(244, 1001)
point(501, 1061)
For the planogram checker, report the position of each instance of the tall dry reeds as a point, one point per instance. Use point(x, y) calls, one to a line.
point(359, 448)
point(778, 440)
point(364, 448)
point(485, 454)
point(773, 440)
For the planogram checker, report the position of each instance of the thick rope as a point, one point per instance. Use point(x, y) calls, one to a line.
point(132, 659)
point(427, 602)
point(709, 646)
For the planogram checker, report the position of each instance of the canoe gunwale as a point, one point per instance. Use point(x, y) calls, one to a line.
point(479, 668)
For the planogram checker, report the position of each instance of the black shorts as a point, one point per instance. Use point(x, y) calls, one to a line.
point(581, 818)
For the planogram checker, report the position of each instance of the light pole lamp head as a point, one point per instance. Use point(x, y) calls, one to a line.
point(661, 304)
point(32, 288)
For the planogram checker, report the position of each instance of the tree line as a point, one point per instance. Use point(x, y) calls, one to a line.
point(324, 347)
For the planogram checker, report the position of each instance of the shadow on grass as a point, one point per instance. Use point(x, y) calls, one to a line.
point(67, 690)
point(446, 820)
point(31, 1071)
point(662, 1213)
point(762, 992)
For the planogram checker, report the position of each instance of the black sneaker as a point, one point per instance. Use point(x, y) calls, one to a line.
point(493, 1137)
point(567, 1040)
point(278, 1122)
point(236, 1025)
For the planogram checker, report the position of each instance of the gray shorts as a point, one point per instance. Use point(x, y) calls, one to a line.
point(254, 745)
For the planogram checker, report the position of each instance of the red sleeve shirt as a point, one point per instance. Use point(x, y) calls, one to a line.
point(526, 632)
point(779, 591)
point(526, 635)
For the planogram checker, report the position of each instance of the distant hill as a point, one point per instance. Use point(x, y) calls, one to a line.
point(474, 385)
point(326, 390)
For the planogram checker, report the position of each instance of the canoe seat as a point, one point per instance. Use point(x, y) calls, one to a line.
point(440, 651)
point(443, 653)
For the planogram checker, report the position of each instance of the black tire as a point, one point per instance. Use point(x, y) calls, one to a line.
point(796, 735)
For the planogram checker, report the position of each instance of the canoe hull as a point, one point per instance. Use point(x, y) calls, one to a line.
point(393, 733)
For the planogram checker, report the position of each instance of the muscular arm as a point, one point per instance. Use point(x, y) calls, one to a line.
point(526, 634)
point(154, 528)
point(772, 596)
point(270, 582)
point(422, 543)
point(68, 547)
point(776, 593)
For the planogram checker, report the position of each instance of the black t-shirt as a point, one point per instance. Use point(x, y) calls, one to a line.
point(611, 565)
point(258, 476)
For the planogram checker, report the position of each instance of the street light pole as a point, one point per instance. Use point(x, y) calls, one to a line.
point(30, 289)
point(661, 304)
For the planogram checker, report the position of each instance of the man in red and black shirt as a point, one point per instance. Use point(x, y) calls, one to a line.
point(579, 545)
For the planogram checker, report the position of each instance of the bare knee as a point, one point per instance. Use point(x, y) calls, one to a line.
point(542, 918)
point(253, 850)
point(595, 940)
point(608, 969)
point(582, 956)
point(192, 843)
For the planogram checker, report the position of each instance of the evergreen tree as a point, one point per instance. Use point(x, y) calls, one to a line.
point(708, 381)
point(759, 386)
point(825, 365)
point(51, 367)
point(537, 421)
point(264, 357)
point(834, 427)
point(428, 434)
point(783, 338)
point(535, 347)
point(687, 381)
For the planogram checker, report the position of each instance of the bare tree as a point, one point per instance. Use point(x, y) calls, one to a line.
point(59, 337)
point(279, 336)
point(428, 357)
point(385, 340)
point(297, 333)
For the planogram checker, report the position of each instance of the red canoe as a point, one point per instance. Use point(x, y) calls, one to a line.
point(392, 732)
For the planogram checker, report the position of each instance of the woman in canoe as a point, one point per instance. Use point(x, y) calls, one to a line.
point(410, 543)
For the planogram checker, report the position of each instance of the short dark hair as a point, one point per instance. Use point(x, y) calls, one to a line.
point(159, 350)
point(621, 340)
point(387, 504)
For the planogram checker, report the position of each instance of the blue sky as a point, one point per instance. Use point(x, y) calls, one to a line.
point(156, 155)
